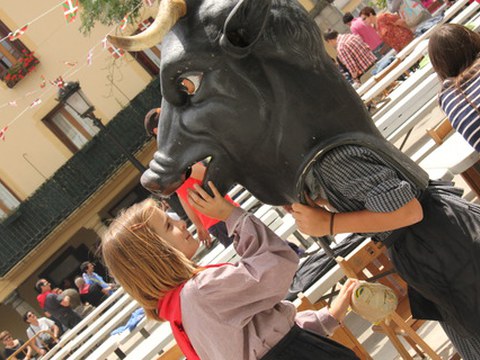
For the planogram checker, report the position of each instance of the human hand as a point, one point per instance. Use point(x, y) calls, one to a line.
point(216, 207)
point(313, 221)
point(204, 236)
point(340, 305)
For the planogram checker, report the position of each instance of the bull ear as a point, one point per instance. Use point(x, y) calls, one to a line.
point(244, 26)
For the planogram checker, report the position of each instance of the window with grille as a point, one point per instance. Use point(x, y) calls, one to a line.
point(8, 201)
point(73, 130)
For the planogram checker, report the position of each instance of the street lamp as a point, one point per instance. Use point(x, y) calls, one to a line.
point(71, 94)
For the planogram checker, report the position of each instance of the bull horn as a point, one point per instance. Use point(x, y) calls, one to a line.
point(168, 14)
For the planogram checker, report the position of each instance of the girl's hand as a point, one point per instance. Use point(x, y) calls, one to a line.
point(216, 207)
point(340, 305)
point(312, 221)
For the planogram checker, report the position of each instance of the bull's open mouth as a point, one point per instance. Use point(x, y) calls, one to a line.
point(162, 184)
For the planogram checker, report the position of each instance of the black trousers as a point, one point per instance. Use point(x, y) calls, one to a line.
point(300, 344)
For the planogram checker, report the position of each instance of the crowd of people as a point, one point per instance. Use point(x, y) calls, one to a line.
point(62, 310)
point(196, 300)
point(372, 36)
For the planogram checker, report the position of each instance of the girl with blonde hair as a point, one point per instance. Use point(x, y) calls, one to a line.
point(223, 311)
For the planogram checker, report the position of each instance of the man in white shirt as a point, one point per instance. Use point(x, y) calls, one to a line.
point(44, 341)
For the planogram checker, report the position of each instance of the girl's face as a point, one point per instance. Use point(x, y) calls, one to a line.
point(173, 232)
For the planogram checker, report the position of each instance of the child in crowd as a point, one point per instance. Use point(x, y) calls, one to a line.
point(223, 311)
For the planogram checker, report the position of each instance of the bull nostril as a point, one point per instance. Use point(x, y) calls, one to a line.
point(148, 181)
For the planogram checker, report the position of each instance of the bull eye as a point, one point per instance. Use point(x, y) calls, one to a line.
point(190, 83)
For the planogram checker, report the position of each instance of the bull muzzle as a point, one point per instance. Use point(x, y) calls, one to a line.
point(168, 14)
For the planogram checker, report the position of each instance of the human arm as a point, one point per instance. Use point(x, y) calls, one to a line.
point(56, 331)
point(29, 353)
point(259, 280)
point(37, 349)
point(31, 334)
point(316, 221)
point(357, 179)
point(327, 319)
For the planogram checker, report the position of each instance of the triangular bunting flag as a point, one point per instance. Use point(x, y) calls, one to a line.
point(43, 83)
point(36, 102)
point(90, 57)
point(70, 10)
point(144, 25)
point(13, 103)
point(124, 23)
point(17, 33)
point(2, 133)
point(58, 82)
point(116, 52)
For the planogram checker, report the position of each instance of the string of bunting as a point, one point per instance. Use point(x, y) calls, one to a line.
point(70, 8)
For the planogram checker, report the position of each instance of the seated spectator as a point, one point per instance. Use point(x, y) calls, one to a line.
point(392, 28)
point(92, 277)
point(44, 341)
point(353, 53)
point(91, 294)
point(59, 306)
point(12, 345)
point(368, 34)
point(76, 302)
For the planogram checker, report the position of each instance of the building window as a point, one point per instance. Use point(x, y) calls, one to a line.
point(8, 201)
point(73, 130)
point(149, 59)
point(16, 61)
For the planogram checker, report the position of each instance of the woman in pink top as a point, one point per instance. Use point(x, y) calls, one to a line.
point(225, 311)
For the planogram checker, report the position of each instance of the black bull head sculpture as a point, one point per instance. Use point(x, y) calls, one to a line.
point(248, 84)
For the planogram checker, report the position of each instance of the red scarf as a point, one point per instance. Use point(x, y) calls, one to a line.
point(169, 308)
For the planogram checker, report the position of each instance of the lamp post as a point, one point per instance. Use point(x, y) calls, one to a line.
point(71, 94)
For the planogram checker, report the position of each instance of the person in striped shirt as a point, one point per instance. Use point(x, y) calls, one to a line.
point(431, 233)
point(454, 51)
point(352, 52)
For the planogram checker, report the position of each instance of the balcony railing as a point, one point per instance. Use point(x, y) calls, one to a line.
point(75, 181)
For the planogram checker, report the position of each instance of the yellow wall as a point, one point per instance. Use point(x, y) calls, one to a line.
point(55, 42)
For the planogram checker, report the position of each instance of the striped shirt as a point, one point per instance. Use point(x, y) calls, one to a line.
point(354, 54)
point(463, 117)
point(354, 178)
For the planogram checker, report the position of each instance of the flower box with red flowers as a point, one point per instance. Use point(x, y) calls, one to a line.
point(24, 65)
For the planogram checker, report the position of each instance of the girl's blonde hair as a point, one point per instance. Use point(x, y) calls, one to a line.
point(140, 260)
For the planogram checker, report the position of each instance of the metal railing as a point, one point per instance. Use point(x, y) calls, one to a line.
point(24, 348)
point(71, 185)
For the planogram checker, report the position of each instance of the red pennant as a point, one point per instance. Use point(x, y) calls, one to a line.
point(17, 33)
point(2, 133)
point(116, 52)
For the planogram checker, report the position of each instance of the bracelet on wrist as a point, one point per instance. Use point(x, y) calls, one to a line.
point(332, 222)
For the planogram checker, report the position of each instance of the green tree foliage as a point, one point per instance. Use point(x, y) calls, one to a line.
point(106, 12)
